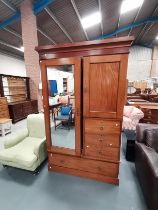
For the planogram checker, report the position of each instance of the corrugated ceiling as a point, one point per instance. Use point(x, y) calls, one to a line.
point(64, 12)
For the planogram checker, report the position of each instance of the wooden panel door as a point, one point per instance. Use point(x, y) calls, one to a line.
point(104, 85)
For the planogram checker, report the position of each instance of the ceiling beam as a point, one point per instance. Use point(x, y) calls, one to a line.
point(9, 5)
point(128, 27)
point(101, 24)
point(13, 32)
point(143, 31)
point(135, 18)
point(10, 46)
point(13, 55)
point(50, 13)
point(79, 17)
point(45, 35)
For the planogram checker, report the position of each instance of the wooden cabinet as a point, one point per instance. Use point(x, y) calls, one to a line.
point(104, 85)
point(100, 72)
point(4, 112)
point(21, 110)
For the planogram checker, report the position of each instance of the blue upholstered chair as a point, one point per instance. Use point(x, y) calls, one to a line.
point(64, 115)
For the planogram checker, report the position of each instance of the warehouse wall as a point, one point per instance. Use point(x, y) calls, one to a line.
point(139, 63)
point(12, 66)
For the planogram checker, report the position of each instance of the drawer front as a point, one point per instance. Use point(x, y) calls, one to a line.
point(108, 153)
point(101, 126)
point(93, 166)
point(102, 140)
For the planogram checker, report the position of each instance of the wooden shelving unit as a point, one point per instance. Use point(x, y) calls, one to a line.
point(16, 90)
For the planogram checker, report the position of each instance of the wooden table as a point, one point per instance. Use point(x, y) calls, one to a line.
point(54, 106)
point(5, 126)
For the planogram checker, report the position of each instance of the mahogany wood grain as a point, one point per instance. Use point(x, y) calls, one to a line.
point(106, 153)
point(83, 164)
point(101, 86)
point(101, 126)
point(84, 174)
point(45, 93)
point(102, 140)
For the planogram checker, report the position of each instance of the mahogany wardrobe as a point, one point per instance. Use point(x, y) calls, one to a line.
point(99, 69)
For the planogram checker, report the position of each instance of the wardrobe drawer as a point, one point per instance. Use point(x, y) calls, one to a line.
point(102, 140)
point(101, 126)
point(82, 164)
point(108, 153)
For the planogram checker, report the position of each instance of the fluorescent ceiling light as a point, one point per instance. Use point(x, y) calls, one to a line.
point(128, 5)
point(156, 37)
point(91, 20)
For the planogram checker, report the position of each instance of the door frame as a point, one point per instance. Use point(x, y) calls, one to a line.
point(76, 62)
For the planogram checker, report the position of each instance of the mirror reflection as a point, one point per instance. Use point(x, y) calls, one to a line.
point(62, 105)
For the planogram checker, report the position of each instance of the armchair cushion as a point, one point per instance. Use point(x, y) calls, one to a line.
point(24, 153)
point(151, 138)
point(35, 125)
point(15, 138)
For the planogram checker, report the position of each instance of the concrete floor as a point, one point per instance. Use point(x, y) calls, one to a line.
point(20, 190)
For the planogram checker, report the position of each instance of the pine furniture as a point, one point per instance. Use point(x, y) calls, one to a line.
point(100, 84)
point(4, 111)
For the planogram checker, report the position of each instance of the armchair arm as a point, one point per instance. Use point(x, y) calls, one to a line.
point(37, 148)
point(41, 151)
point(15, 138)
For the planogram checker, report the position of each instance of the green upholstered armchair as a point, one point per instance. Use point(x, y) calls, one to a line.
point(26, 148)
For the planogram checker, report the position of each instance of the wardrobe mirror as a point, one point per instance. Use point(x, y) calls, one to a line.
point(62, 105)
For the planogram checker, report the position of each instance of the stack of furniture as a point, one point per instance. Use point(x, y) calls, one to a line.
point(146, 162)
point(100, 86)
point(16, 90)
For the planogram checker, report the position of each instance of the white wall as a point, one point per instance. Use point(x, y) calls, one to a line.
point(139, 63)
point(12, 66)
point(54, 74)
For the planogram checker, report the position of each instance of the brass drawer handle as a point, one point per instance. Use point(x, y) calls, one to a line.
point(87, 146)
point(116, 124)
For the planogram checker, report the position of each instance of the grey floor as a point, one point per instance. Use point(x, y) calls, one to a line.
point(63, 137)
point(20, 190)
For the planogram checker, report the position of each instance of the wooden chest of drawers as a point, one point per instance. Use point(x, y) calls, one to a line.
point(20, 110)
point(102, 140)
point(4, 112)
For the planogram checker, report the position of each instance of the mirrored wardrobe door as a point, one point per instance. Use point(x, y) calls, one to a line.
point(62, 97)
